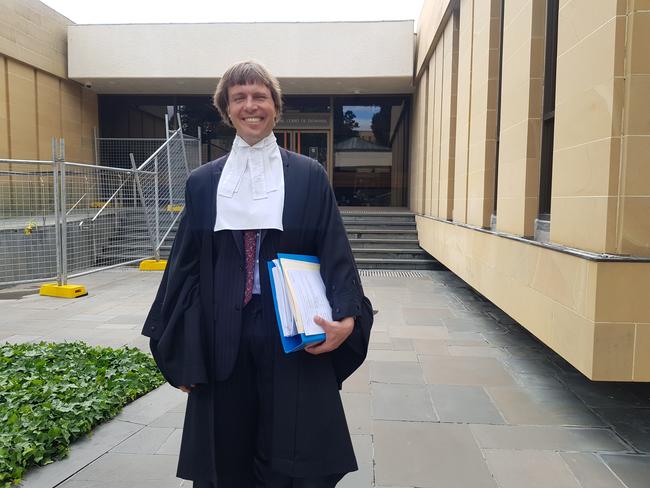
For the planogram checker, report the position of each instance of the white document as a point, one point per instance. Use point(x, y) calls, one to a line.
point(284, 308)
point(307, 294)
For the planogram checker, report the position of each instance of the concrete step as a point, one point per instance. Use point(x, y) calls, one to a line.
point(113, 257)
point(375, 211)
point(371, 263)
point(347, 219)
point(375, 233)
point(384, 243)
point(128, 249)
point(380, 224)
point(390, 253)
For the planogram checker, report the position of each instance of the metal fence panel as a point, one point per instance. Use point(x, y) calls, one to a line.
point(27, 232)
point(103, 221)
point(163, 197)
point(109, 216)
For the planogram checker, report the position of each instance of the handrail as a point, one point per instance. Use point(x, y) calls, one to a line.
point(169, 230)
point(106, 168)
point(111, 198)
point(155, 153)
point(78, 201)
point(25, 161)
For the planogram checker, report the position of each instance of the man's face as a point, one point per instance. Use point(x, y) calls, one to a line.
point(252, 111)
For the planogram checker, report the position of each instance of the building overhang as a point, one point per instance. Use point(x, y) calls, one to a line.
point(308, 58)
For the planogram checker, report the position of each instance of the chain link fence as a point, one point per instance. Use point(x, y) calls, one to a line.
point(59, 219)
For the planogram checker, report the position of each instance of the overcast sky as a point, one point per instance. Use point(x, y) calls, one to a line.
point(164, 11)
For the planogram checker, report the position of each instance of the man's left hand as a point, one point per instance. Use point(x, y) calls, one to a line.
point(335, 334)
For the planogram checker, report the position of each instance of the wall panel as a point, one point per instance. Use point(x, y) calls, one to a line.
point(465, 44)
point(4, 110)
point(521, 112)
point(49, 112)
point(71, 119)
point(22, 110)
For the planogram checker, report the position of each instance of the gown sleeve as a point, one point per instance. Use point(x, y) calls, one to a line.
point(342, 282)
point(174, 320)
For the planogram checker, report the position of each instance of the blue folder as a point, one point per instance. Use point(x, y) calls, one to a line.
point(298, 341)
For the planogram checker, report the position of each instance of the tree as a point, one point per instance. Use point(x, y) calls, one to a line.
point(380, 125)
point(345, 124)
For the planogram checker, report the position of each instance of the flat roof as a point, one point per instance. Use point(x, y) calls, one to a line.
point(307, 57)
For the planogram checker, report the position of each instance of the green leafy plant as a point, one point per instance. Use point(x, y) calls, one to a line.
point(30, 227)
point(51, 394)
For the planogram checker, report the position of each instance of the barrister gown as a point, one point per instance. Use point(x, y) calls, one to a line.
point(195, 322)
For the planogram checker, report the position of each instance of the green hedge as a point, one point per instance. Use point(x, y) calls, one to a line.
point(51, 394)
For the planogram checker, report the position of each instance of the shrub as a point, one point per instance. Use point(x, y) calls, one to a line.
point(51, 394)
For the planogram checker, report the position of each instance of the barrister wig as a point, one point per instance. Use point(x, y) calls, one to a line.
point(246, 73)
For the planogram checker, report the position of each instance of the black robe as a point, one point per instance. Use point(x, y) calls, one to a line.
point(194, 323)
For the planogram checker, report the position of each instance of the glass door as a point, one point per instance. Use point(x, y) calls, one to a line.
point(311, 143)
point(284, 138)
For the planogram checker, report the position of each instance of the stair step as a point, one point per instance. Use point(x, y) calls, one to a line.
point(379, 240)
point(375, 211)
point(384, 243)
point(380, 223)
point(381, 233)
point(370, 254)
point(388, 250)
point(378, 219)
point(371, 263)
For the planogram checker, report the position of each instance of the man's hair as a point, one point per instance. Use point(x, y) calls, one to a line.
point(246, 73)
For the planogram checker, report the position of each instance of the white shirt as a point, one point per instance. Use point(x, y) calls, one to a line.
point(250, 194)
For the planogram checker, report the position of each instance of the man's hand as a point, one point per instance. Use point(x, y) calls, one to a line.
point(186, 389)
point(336, 332)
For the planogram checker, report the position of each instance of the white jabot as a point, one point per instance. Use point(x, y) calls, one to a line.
point(250, 194)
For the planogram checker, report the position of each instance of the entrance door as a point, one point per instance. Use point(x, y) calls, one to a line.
point(310, 143)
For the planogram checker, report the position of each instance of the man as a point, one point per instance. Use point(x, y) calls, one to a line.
point(257, 417)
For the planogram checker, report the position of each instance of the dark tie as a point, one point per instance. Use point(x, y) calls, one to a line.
point(250, 243)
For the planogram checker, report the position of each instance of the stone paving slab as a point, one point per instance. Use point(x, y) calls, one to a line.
point(634, 471)
point(478, 371)
point(591, 471)
point(401, 402)
point(427, 455)
point(146, 441)
point(454, 393)
point(631, 423)
point(547, 438)
point(464, 404)
point(535, 406)
point(396, 372)
point(532, 469)
point(130, 469)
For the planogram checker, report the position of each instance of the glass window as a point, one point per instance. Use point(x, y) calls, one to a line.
point(366, 166)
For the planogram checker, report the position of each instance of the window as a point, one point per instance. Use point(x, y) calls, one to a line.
point(548, 116)
point(498, 128)
point(367, 165)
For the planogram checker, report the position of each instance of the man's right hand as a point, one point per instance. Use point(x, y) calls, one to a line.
point(186, 389)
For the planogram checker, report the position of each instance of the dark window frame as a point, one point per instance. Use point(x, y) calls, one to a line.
point(548, 115)
point(498, 114)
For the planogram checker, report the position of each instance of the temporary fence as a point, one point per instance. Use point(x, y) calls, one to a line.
point(27, 221)
point(61, 219)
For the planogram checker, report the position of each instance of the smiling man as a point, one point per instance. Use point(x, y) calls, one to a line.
point(257, 417)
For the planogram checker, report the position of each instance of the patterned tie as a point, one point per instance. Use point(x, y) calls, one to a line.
point(250, 243)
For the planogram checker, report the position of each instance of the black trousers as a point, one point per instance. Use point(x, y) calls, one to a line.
point(245, 412)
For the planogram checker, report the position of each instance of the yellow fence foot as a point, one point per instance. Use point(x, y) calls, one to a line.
point(153, 265)
point(62, 291)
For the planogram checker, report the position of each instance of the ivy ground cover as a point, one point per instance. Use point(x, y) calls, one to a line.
point(51, 394)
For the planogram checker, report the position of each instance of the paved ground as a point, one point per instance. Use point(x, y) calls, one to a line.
point(454, 394)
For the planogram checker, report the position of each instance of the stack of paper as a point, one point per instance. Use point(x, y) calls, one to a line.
point(298, 295)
